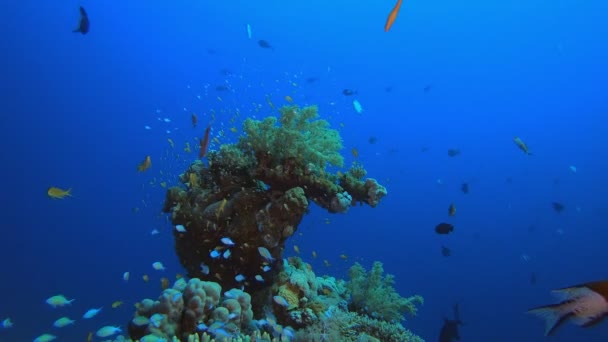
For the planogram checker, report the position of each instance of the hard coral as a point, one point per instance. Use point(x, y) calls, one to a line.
point(373, 294)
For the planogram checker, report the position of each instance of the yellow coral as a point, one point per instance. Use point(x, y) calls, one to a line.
point(291, 293)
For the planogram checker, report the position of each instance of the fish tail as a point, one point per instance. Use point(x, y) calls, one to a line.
point(553, 315)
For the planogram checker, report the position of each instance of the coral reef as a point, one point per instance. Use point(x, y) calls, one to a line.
point(372, 294)
point(232, 217)
point(315, 309)
point(256, 192)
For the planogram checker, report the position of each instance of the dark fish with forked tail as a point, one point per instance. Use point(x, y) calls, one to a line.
point(83, 24)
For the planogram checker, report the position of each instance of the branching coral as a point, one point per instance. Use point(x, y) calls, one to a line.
point(373, 294)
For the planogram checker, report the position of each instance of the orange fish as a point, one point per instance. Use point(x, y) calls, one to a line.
point(355, 153)
point(392, 16)
point(288, 99)
point(584, 305)
point(194, 120)
point(204, 143)
point(144, 165)
point(57, 193)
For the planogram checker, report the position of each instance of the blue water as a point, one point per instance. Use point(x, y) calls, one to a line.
point(74, 108)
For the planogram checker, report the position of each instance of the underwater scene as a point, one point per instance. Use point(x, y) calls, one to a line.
point(389, 170)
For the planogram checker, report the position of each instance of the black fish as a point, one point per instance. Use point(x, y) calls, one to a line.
point(558, 207)
point(373, 140)
point(444, 228)
point(449, 331)
point(446, 252)
point(464, 188)
point(264, 44)
point(453, 152)
point(349, 92)
point(83, 24)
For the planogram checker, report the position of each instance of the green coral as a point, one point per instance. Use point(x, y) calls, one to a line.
point(373, 294)
point(297, 134)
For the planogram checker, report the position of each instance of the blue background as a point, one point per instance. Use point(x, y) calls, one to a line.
point(74, 108)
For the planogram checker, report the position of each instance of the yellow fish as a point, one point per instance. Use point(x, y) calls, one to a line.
point(116, 304)
point(288, 99)
point(296, 249)
point(58, 193)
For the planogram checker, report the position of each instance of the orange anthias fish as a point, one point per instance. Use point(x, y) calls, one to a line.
point(392, 16)
point(584, 305)
point(205, 143)
point(144, 165)
point(57, 193)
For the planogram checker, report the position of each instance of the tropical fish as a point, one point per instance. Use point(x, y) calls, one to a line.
point(265, 253)
point(157, 265)
point(348, 92)
point(358, 107)
point(204, 142)
point(62, 322)
point(83, 23)
point(248, 31)
point(146, 278)
point(108, 331)
point(521, 145)
point(58, 301)
point(452, 209)
point(180, 228)
point(116, 304)
point(45, 338)
point(464, 187)
point(6, 323)
point(444, 228)
point(194, 119)
point(392, 16)
point(164, 283)
point(584, 305)
point(144, 165)
point(281, 301)
point(289, 99)
point(58, 193)
point(91, 313)
point(125, 276)
point(446, 252)
point(453, 152)
point(449, 331)
point(227, 241)
point(265, 44)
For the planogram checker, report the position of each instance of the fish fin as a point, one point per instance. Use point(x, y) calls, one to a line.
point(587, 322)
point(553, 316)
